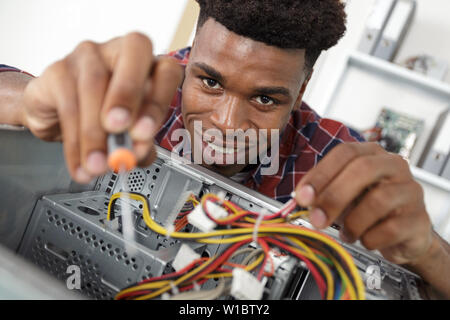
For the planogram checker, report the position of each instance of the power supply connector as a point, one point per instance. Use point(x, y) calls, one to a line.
point(245, 286)
point(185, 256)
point(200, 220)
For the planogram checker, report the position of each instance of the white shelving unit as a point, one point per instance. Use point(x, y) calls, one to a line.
point(371, 67)
point(431, 179)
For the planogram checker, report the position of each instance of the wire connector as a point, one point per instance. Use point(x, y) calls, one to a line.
point(112, 224)
point(245, 286)
point(275, 261)
point(185, 256)
point(200, 220)
point(260, 218)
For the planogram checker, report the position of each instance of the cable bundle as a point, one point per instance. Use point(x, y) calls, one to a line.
point(329, 263)
point(181, 220)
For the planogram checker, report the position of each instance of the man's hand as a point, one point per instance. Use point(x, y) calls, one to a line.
point(99, 89)
point(372, 195)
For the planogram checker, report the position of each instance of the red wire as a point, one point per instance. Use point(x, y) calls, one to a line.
point(320, 281)
point(175, 274)
point(221, 259)
point(132, 294)
point(189, 287)
point(184, 213)
point(244, 213)
point(143, 292)
point(266, 249)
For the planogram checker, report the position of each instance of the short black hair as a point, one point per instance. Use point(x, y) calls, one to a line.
point(313, 25)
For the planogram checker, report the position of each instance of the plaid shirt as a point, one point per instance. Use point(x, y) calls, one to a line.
point(4, 68)
point(305, 141)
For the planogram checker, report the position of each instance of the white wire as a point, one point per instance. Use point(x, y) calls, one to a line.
point(127, 219)
point(261, 215)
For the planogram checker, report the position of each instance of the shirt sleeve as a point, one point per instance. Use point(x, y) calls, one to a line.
point(347, 134)
point(4, 68)
point(332, 133)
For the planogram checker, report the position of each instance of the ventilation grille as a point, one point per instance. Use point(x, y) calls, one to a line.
point(136, 180)
point(88, 250)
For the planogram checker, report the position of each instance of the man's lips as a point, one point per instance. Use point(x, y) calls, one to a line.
point(222, 150)
point(217, 143)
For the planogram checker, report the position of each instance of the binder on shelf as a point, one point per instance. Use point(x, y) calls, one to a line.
point(395, 29)
point(446, 172)
point(376, 22)
point(439, 151)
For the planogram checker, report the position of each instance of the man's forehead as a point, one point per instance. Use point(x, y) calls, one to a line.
point(214, 43)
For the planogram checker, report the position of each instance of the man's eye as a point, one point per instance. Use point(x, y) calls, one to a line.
point(264, 100)
point(211, 83)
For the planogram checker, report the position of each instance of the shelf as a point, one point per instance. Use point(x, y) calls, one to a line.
point(390, 71)
point(431, 178)
point(412, 77)
point(376, 65)
point(400, 72)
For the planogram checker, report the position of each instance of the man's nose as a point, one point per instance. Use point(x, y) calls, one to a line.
point(229, 115)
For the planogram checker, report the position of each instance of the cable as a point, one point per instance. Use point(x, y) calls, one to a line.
point(324, 257)
point(202, 294)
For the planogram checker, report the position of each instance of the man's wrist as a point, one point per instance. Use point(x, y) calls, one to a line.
point(434, 252)
point(12, 88)
point(433, 267)
point(19, 108)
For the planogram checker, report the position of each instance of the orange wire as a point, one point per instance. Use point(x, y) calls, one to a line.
point(345, 296)
point(181, 223)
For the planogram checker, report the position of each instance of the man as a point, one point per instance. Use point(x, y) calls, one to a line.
point(248, 69)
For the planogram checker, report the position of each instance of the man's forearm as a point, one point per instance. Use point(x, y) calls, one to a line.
point(12, 85)
point(434, 267)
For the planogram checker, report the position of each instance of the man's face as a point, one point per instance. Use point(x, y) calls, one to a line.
point(233, 82)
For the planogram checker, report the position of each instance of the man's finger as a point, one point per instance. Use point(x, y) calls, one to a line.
point(149, 157)
point(359, 174)
point(380, 201)
point(331, 165)
point(58, 94)
point(394, 230)
point(130, 70)
point(66, 98)
point(167, 77)
point(92, 84)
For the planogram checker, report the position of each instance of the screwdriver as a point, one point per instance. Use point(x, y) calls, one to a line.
point(122, 159)
point(120, 154)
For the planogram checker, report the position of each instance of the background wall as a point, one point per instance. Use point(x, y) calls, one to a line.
point(35, 33)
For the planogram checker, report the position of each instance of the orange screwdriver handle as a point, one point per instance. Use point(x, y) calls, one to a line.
point(120, 154)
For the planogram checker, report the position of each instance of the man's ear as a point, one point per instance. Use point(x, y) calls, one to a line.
point(299, 100)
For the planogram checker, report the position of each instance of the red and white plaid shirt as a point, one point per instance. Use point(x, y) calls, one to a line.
point(305, 141)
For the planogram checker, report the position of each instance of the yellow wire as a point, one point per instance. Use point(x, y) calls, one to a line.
point(301, 244)
point(230, 240)
point(341, 271)
point(290, 217)
point(328, 277)
point(346, 281)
